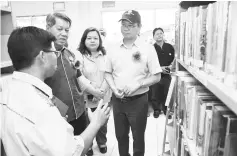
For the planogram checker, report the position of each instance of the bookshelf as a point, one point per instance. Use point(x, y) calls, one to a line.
point(224, 93)
point(7, 25)
point(206, 118)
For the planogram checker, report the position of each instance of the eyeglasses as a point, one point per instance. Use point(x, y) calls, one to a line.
point(128, 26)
point(57, 53)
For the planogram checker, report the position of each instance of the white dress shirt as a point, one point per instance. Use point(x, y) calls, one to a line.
point(31, 123)
point(129, 65)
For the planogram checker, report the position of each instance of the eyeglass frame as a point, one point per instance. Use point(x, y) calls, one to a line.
point(128, 26)
point(57, 53)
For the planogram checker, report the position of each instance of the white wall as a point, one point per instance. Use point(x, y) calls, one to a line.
point(84, 14)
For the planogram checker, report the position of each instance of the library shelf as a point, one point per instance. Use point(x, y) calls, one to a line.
point(189, 143)
point(226, 94)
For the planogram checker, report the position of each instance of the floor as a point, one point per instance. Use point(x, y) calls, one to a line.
point(154, 137)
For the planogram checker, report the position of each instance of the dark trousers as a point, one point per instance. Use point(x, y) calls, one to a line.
point(101, 135)
point(158, 92)
point(130, 114)
point(80, 124)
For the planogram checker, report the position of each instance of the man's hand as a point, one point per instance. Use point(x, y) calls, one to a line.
point(131, 88)
point(118, 93)
point(99, 93)
point(165, 69)
point(101, 114)
point(95, 99)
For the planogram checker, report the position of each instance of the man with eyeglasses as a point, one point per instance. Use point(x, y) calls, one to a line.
point(31, 122)
point(132, 66)
point(68, 83)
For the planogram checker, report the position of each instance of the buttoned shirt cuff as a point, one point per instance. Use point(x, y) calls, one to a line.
point(80, 145)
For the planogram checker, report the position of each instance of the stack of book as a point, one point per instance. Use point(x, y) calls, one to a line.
point(208, 37)
point(210, 125)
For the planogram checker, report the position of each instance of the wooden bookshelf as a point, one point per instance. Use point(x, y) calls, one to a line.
point(192, 21)
point(225, 94)
point(189, 143)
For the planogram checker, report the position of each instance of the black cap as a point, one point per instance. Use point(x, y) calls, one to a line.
point(132, 16)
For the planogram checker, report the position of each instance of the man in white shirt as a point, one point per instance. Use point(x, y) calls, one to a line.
point(31, 123)
point(132, 66)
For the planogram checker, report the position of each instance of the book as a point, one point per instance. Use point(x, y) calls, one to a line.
point(231, 56)
point(181, 94)
point(199, 56)
point(217, 125)
point(191, 112)
point(211, 13)
point(204, 103)
point(220, 40)
point(182, 35)
point(230, 147)
point(229, 143)
point(184, 148)
point(207, 132)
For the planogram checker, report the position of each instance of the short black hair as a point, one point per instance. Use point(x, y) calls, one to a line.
point(154, 31)
point(25, 43)
point(50, 19)
point(82, 47)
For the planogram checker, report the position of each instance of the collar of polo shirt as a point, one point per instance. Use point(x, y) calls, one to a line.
point(136, 43)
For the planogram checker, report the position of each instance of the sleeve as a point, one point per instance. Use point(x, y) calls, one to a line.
point(108, 63)
point(53, 136)
point(83, 82)
point(153, 62)
point(172, 53)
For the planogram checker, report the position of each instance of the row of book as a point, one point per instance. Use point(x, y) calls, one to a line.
point(207, 122)
point(207, 40)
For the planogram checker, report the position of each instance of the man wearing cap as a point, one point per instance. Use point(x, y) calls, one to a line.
point(132, 66)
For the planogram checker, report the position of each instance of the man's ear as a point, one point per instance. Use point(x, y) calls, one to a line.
point(42, 56)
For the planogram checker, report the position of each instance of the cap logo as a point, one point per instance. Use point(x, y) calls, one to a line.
point(129, 12)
